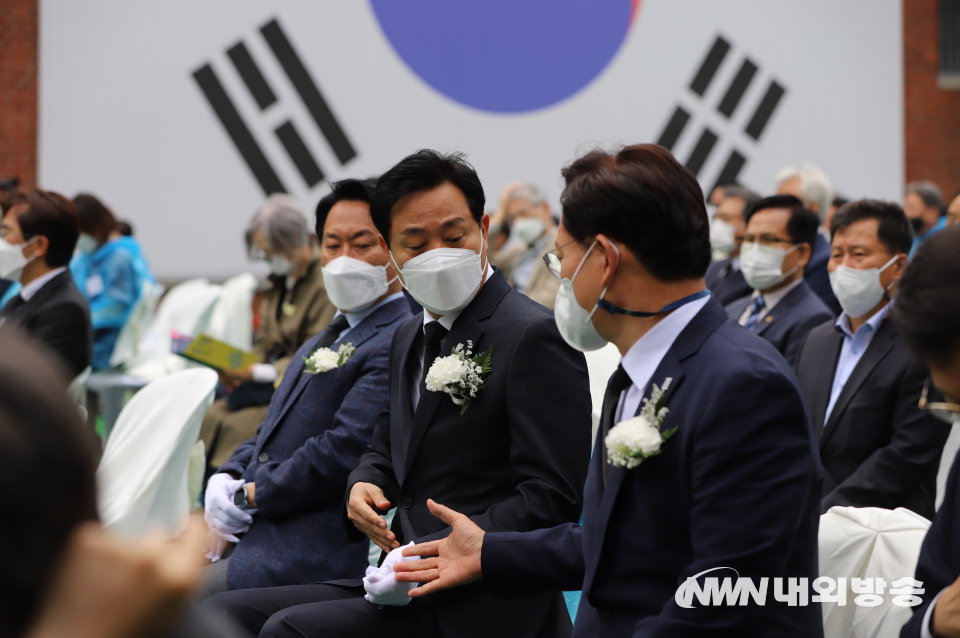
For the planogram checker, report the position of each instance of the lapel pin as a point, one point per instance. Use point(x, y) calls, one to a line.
point(768, 319)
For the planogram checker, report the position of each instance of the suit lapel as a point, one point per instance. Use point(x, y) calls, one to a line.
point(829, 352)
point(782, 309)
point(880, 345)
point(406, 354)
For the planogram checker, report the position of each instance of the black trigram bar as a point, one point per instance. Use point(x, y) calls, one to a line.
point(709, 66)
point(674, 128)
point(237, 130)
point(701, 151)
point(737, 88)
point(300, 154)
point(731, 170)
point(251, 75)
point(308, 90)
point(767, 106)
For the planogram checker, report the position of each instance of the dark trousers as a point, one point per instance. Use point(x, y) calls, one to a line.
point(320, 610)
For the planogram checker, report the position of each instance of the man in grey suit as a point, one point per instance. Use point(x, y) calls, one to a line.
point(724, 277)
point(776, 247)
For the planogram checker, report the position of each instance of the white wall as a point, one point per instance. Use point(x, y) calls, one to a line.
point(121, 115)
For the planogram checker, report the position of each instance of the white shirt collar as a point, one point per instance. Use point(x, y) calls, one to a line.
point(447, 320)
point(354, 318)
point(34, 286)
point(644, 357)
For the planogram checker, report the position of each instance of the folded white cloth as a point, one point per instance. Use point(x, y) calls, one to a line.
point(224, 519)
point(381, 583)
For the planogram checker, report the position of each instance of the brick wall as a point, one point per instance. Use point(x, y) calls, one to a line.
point(18, 90)
point(931, 114)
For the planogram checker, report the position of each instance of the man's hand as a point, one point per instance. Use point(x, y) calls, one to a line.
point(251, 489)
point(364, 497)
point(110, 587)
point(456, 558)
point(946, 615)
point(234, 378)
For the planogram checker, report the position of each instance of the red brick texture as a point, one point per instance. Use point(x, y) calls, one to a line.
point(931, 115)
point(18, 90)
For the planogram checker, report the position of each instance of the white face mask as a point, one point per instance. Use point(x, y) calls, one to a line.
point(528, 229)
point(722, 236)
point(762, 266)
point(443, 280)
point(12, 260)
point(86, 244)
point(354, 285)
point(574, 323)
point(858, 289)
point(280, 265)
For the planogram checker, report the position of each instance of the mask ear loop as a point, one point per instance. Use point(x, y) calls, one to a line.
point(604, 291)
point(886, 291)
point(394, 261)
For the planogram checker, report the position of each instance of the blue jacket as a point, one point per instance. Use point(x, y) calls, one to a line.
point(111, 278)
point(799, 312)
point(737, 485)
point(315, 430)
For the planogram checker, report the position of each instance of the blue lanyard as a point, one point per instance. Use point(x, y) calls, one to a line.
point(609, 307)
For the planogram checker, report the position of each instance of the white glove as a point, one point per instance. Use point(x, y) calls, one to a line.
point(225, 519)
point(381, 583)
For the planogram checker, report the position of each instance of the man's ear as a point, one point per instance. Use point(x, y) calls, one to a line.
point(612, 259)
point(40, 245)
point(806, 252)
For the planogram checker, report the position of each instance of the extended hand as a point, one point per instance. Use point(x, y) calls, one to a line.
point(363, 498)
point(456, 558)
point(946, 615)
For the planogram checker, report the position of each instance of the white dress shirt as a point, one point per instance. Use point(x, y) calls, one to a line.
point(32, 288)
point(854, 345)
point(644, 357)
point(770, 299)
point(447, 322)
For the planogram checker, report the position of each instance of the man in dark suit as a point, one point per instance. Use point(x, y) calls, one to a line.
point(926, 314)
point(704, 489)
point(39, 234)
point(514, 457)
point(318, 425)
point(860, 383)
point(782, 309)
point(724, 277)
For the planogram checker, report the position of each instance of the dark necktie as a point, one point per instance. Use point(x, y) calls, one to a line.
point(15, 302)
point(754, 317)
point(433, 334)
point(619, 382)
point(338, 325)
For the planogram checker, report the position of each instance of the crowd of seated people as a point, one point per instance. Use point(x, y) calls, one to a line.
point(417, 354)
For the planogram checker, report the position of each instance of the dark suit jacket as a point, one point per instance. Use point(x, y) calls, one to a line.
point(714, 497)
point(817, 276)
point(59, 318)
point(515, 461)
point(726, 286)
point(790, 320)
point(878, 449)
point(313, 435)
point(939, 563)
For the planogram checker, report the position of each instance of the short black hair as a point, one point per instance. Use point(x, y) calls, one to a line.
point(894, 230)
point(803, 223)
point(96, 219)
point(643, 197)
point(928, 301)
point(425, 170)
point(353, 190)
point(55, 217)
point(46, 453)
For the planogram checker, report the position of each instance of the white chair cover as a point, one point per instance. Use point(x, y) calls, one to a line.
point(947, 459)
point(601, 364)
point(195, 471)
point(142, 478)
point(868, 542)
point(77, 390)
point(125, 349)
point(186, 307)
point(231, 319)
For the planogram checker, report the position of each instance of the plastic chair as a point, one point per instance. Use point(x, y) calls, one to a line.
point(947, 459)
point(143, 475)
point(231, 319)
point(601, 364)
point(195, 470)
point(868, 542)
point(125, 349)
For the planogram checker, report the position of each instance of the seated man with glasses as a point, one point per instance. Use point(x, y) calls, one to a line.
point(776, 248)
point(861, 383)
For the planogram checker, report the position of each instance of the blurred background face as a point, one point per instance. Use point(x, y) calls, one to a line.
point(730, 210)
point(10, 231)
point(520, 208)
point(953, 212)
point(858, 246)
point(435, 218)
point(791, 187)
point(916, 209)
point(348, 231)
point(263, 245)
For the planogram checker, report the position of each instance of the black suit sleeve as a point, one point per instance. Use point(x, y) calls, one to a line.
point(894, 470)
point(64, 328)
point(938, 566)
point(518, 564)
point(799, 334)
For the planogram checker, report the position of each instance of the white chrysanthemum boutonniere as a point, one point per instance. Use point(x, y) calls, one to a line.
point(461, 375)
point(325, 359)
point(631, 441)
